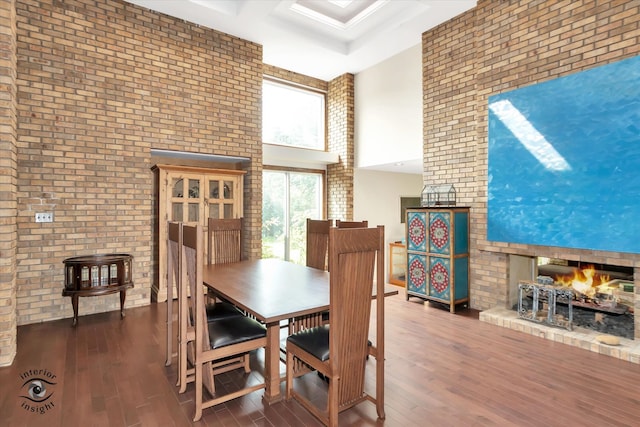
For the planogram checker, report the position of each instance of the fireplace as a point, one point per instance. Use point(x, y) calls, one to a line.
point(594, 318)
point(599, 297)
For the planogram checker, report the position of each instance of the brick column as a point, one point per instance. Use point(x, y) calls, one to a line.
point(340, 100)
point(8, 182)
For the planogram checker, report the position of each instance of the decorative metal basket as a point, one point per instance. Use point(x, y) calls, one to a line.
point(438, 195)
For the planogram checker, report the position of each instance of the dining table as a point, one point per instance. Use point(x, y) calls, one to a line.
point(272, 290)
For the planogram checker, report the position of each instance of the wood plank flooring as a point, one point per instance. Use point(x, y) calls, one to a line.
point(442, 369)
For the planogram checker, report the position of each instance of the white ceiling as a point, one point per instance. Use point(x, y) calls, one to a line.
point(321, 38)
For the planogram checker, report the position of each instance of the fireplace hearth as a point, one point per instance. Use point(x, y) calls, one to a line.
point(598, 331)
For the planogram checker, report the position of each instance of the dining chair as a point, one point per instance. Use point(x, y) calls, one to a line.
point(352, 224)
point(318, 243)
point(317, 257)
point(224, 243)
point(186, 329)
point(338, 351)
point(214, 341)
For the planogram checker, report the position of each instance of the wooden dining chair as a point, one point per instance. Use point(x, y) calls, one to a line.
point(214, 341)
point(224, 240)
point(317, 257)
point(224, 243)
point(338, 351)
point(318, 243)
point(352, 224)
point(186, 327)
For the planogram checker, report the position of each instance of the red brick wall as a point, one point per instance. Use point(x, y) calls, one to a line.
point(500, 46)
point(8, 182)
point(100, 83)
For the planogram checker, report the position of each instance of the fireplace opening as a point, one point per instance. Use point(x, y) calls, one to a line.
point(602, 296)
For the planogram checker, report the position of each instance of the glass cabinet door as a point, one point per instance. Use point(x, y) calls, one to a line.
point(222, 198)
point(186, 198)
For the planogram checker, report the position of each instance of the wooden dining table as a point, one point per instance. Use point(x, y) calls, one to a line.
point(272, 290)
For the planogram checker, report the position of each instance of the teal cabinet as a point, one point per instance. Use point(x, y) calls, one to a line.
point(438, 254)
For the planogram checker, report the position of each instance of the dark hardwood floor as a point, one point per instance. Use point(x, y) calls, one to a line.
point(441, 370)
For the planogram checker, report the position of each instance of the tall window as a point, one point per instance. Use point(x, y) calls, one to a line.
point(292, 116)
point(288, 199)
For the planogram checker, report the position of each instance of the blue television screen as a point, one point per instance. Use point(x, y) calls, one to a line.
point(564, 161)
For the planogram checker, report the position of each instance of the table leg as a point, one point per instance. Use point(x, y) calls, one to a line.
point(74, 303)
point(272, 364)
point(123, 295)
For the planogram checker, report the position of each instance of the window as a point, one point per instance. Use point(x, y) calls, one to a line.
point(292, 116)
point(288, 199)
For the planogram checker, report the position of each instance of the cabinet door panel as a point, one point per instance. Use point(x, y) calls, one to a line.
point(417, 231)
point(440, 278)
point(440, 233)
point(417, 276)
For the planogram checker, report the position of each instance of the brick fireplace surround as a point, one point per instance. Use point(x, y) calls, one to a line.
point(494, 48)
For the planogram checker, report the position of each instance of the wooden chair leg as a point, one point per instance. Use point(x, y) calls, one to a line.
point(182, 367)
point(245, 363)
point(332, 404)
point(289, 383)
point(198, 398)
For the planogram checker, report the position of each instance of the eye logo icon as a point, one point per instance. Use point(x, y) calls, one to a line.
point(37, 390)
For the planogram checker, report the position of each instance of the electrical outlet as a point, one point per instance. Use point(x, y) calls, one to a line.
point(44, 217)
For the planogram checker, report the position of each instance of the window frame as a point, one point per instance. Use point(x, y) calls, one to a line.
point(303, 89)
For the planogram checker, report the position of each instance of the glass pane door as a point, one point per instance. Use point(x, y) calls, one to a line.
point(221, 200)
point(289, 198)
point(186, 199)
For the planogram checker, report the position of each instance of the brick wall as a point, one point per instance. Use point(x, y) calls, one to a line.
point(8, 182)
point(100, 83)
point(496, 47)
point(340, 105)
point(293, 77)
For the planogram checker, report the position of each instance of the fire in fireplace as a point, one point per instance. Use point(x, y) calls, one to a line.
point(600, 290)
point(603, 295)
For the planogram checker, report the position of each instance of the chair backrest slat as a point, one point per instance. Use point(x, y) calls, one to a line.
point(357, 262)
point(174, 274)
point(318, 243)
point(193, 261)
point(224, 238)
point(174, 243)
point(352, 224)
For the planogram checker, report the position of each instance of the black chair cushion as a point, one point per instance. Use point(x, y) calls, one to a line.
point(234, 330)
point(219, 310)
point(222, 310)
point(313, 340)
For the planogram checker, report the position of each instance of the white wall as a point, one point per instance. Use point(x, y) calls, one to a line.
point(376, 198)
point(388, 110)
point(388, 130)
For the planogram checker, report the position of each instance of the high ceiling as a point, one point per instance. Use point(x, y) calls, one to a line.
point(322, 38)
point(319, 38)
